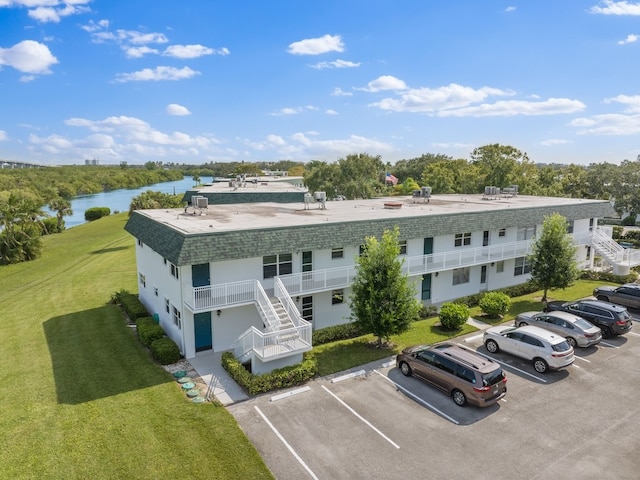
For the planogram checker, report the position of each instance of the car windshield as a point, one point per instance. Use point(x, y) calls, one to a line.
point(624, 315)
point(561, 347)
point(583, 324)
point(492, 378)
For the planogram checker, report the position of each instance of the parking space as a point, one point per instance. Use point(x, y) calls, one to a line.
point(580, 422)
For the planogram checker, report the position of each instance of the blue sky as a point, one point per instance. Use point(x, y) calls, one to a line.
point(196, 81)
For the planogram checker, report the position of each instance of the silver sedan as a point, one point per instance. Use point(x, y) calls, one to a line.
point(578, 331)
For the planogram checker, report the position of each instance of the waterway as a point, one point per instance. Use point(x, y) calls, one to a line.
point(120, 200)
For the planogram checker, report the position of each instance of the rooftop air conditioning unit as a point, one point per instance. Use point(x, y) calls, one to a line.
point(202, 202)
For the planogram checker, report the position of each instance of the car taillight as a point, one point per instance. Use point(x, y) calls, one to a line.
point(589, 335)
point(563, 354)
point(621, 322)
point(504, 379)
point(482, 389)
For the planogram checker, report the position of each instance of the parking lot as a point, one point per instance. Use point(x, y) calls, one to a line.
point(582, 422)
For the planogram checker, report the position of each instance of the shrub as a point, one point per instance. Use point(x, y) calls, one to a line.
point(132, 306)
point(609, 277)
point(50, 225)
point(281, 378)
point(629, 220)
point(495, 304)
point(165, 351)
point(148, 331)
point(453, 315)
point(95, 213)
point(471, 300)
point(428, 311)
point(617, 232)
point(335, 333)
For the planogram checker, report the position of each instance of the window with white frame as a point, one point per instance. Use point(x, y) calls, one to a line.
point(177, 320)
point(569, 226)
point(337, 252)
point(337, 296)
point(502, 232)
point(274, 265)
point(526, 233)
point(307, 308)
point(143, 280)
point(167, 305)
point(461, 275)
point(522, 266)
point(140, 244)
point(500, 266)
point(403, 247)
point(155, 291)
point(462, 239)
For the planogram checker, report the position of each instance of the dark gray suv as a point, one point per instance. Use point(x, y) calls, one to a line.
point(612, 319)
point(627, 295)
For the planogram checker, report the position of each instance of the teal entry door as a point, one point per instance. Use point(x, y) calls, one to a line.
point(202, 331)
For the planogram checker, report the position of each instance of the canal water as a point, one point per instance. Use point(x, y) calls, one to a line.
point(119, 200)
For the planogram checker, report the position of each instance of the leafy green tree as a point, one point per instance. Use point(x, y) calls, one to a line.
point(552, 258)
point(414, 167)
point(20, 227)
point(383, 301)
point(150, 200)
point(498, 163)
point(196, 178)
point(62, 207)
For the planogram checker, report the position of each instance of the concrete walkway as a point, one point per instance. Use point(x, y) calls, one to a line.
point(226, 390)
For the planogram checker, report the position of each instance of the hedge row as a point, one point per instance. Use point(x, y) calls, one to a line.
point(95, 213)
point(335, 333)
point(132, 306)
point(281, 378)
point(148, 330)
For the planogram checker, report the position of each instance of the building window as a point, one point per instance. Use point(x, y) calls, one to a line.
point(500, 266)
point(307, 261)
point(273, 265)
point(403, 247)
point(140, 244)
point(502, 232)
point(483, 274)
point(177, 321)
point(591, 224)
point(307, 308)
point(164, 260)
point(526, 233)
point(174, 271)
point(143, 280)
point(522, 266)
point(337, 252)
point(167, 305)
point(461, 275)
point(588, 252)
point(155, 291)
point(570, 226)
point(337, 296)
point(462, 239)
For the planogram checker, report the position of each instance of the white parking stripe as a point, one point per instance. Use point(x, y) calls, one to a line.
point(583, 359)
point(609, 344)
point(473, 338)
point(510, 366)
point(634, 334)
point(415, 397)
point(361, 417)
point(286, 444)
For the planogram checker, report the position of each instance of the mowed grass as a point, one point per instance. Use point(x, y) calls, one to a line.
point(80, 397)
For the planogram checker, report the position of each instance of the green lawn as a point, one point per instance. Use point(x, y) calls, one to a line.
point(80, 397)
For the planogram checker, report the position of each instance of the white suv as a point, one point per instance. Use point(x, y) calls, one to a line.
point(545, 349)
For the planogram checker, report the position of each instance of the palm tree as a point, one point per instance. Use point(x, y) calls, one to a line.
point(20, 218)
point(62, 207)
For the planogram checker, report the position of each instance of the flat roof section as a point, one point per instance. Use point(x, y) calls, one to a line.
point(250, 216)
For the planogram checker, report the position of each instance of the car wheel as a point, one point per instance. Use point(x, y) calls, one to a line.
point(540, 365)
point(492, 346)
point(522, 324)
point(459, 398)
point(606, 332)
point(405, 369)
point(572, 341)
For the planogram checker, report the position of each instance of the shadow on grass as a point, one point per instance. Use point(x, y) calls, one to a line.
point(109, 250)
point(93, 356)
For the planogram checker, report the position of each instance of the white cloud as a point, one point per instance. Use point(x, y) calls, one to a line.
point(338, 92)
point(385, 82)
point(631, 101)
point(179, 110)
point(51, 14)
point(554, 141)
point(187, 51)
point(433, 100)
point(609, 7)
point(157, 74)
point(510, 108)
point(3, 136)
point(28, 56)
point(292, 110)
point(608, 124)
point(335, 64)
point(330, 111)
point(27, 78)
point(317, 46)
point(138, 52)
point(93, 26)
point(510, 9)
point(631, 38)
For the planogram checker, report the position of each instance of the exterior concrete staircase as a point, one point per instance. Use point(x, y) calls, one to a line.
point(621, 259)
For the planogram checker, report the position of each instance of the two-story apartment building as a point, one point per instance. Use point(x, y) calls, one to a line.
point(258, 278)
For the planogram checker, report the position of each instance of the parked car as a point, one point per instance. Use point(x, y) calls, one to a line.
point(545, 349)
point(612, 319)
point(576, 330)
point(458, 371)
point(627, 295)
